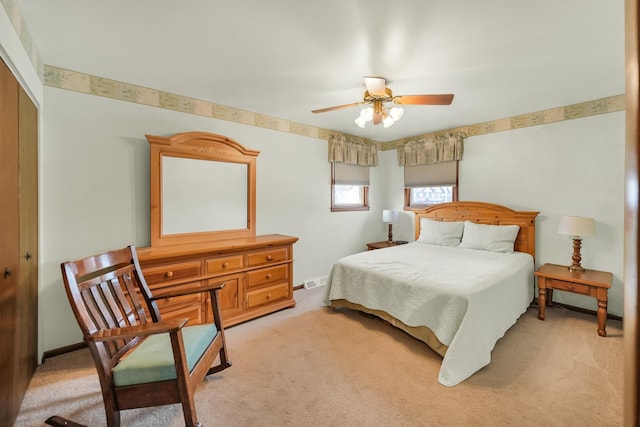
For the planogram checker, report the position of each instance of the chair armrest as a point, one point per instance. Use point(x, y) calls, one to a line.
point(180, 292)
point(137, 331)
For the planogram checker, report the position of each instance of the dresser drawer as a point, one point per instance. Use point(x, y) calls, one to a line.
point(171, 272)
point(268, 256)
point(568, 286)
point(267, 295)
point(224, 264)
point(268, 275)
point(194, 312)
point(178, 300)
point(179, 303)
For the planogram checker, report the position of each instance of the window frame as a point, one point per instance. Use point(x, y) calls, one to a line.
point(414, 208)
point(348, 208)
point(407, 197)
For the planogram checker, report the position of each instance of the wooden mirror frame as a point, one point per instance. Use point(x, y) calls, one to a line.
point(199, 146)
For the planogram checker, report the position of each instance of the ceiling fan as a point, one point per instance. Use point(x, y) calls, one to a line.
point(378, 94)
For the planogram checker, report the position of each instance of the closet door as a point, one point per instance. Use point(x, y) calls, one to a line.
point(18, 244)
point(9, 223)
point(27, 293)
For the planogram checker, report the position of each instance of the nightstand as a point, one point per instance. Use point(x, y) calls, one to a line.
point(380, 245)
point(593, 283)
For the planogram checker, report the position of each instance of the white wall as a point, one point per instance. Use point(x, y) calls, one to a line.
point(13, 54)
point(575, 167)
point(95, 191)
point(393, 191)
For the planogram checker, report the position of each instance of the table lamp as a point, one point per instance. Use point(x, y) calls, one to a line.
point(390, 217)
point(578, 227)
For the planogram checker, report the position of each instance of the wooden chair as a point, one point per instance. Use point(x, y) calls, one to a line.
point(140, 362)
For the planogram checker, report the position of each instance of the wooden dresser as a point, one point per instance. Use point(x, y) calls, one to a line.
point(203, 231)
point(257, 273)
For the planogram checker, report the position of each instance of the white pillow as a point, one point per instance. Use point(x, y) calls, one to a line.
point(440, 232)
point(496, 238)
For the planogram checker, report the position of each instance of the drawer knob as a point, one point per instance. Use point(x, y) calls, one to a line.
point(169, 274)
point(269, 257)
point(225, 264)
point(268, 296)
point(268, 276)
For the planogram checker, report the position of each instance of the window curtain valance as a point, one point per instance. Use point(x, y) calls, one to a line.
point(434, 149)
point(352, 151)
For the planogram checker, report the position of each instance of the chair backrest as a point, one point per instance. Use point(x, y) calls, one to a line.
point(102, 292)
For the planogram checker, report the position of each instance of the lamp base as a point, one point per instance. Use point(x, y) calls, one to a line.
point(576, 268)
point(576, 257)
point(390, 234)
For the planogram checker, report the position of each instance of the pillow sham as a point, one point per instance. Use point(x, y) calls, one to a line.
point(440, 232)
point(495, 238)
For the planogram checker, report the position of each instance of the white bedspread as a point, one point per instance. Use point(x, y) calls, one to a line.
point(468, 298)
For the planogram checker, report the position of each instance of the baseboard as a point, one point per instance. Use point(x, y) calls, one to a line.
point(585, 310)
point(62, 350)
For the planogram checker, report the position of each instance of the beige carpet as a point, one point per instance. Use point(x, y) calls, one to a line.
point(313, 366)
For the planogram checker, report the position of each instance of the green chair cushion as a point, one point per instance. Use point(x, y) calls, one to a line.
point(152, 360)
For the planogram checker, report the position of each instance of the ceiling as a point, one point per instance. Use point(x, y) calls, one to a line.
point(285, 58)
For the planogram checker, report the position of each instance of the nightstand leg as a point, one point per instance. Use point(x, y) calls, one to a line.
point(542, 300)
point(602, 317)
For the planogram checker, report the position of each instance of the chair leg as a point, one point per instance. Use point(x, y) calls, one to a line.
point(218, 368)
point(224, 358)
point(224, 363)
point(113, 418)
point(189, 411)
point(57, 421)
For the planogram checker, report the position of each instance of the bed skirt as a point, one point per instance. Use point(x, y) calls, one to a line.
point(422, 333)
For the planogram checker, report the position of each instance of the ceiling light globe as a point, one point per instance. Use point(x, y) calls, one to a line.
point(388, 121)
point(367, 113)
point(396, 113)
point(360, 121)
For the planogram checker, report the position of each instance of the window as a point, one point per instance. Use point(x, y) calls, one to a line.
point(349, 187)
point(431, 195)
point(427, 185)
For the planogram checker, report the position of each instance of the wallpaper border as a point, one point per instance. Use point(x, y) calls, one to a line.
point(100, 86)
point(594, 107)
point(14, 14)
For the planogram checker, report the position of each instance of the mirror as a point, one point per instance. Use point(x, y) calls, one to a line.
point(216, 199)
point(202, 189)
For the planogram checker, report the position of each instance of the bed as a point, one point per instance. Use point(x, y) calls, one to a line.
point(458, 296)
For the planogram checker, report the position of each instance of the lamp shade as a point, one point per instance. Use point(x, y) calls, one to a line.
point(390, 216)
point(577, 226)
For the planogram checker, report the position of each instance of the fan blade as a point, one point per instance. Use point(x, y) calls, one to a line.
point(444, 99)
point(338, 107)
point(375, 85)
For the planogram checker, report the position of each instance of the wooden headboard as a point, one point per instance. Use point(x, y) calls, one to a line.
point(486, 213)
